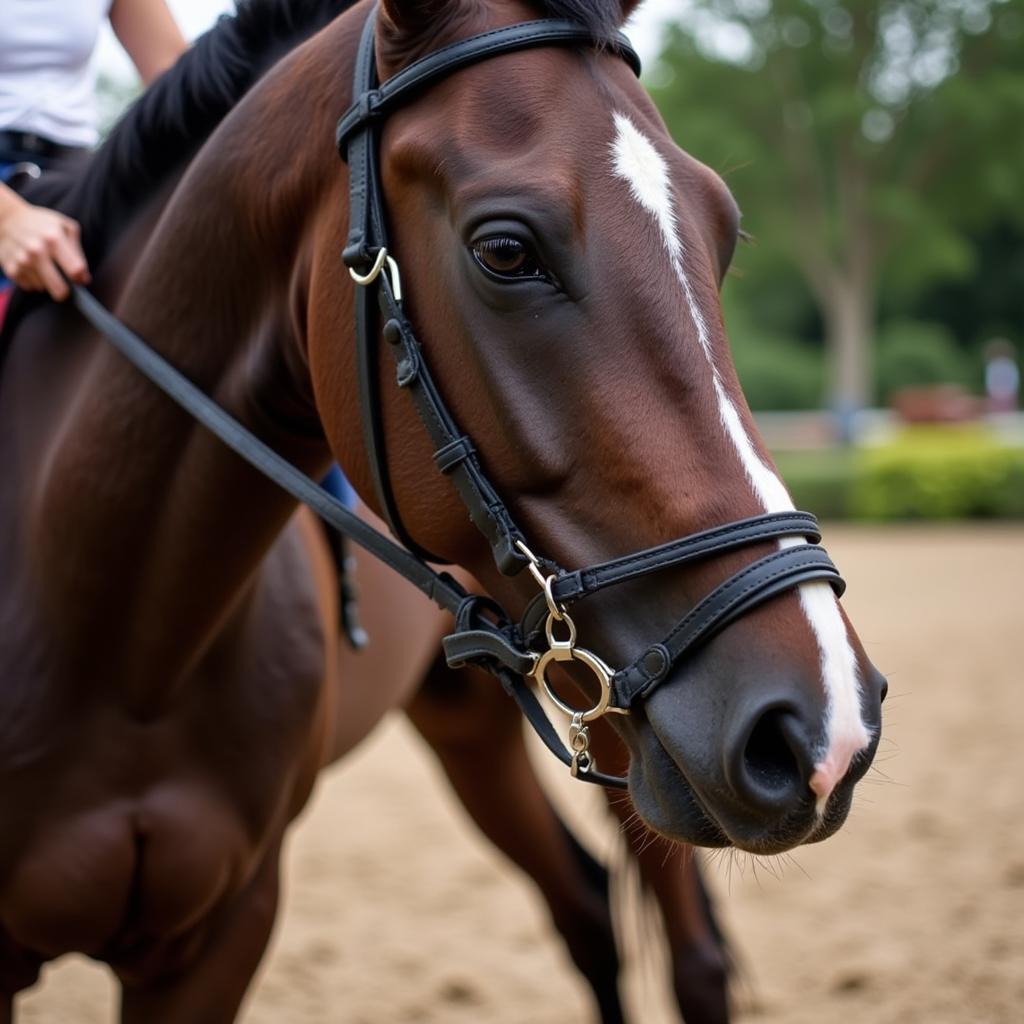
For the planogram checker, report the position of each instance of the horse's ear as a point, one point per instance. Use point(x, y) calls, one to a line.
point(628, 7)
point(406, 27)
point(408, 18)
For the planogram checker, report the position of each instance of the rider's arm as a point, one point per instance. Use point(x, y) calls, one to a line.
point(148, 32)
point(35, 241)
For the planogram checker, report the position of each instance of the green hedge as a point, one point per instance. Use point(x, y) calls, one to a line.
point(926, 473)
point(820, 482)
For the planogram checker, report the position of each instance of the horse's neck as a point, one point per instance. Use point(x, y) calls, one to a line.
point(145, 531)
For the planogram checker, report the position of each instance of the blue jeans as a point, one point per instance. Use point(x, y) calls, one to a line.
point(335, 484)
point(5, 173)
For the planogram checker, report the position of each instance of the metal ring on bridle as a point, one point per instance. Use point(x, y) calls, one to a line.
point(565, 651)
point(555, 610)
point(375, 271)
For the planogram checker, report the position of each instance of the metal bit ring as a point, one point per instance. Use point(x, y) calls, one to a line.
point(564, 650)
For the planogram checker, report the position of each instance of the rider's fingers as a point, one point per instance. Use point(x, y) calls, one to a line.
point(21, 269)
point(52, 280)
point(67, 252)
point(25, 277)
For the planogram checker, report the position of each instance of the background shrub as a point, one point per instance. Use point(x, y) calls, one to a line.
point(932, 472)
point(940, 474)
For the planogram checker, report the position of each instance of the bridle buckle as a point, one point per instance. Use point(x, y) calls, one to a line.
point(381, 261)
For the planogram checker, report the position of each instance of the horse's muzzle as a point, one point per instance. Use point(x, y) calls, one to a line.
point(718, 765)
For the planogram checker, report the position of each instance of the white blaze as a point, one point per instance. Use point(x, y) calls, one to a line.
point(638, 162)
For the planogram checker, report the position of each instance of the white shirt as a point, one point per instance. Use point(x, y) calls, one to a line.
point(47, 74)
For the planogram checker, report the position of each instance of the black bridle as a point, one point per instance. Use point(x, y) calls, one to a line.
point(484, 634)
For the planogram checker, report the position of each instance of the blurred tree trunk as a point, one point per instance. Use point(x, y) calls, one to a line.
point(848, 310)
point(838, 252)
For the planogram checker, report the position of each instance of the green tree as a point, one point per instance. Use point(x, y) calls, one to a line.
point(861, 138)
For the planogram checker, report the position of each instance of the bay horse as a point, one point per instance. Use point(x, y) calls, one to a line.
point(529, 832)
point(167, 654)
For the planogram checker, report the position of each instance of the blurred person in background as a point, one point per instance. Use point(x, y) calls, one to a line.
point(48, 116)
point(1002, 376)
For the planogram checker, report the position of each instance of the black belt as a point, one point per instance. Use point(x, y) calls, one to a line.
point(28, 144)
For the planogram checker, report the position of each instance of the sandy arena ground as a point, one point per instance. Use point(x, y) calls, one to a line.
point(913, 913)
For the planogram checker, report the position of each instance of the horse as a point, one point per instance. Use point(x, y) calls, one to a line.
point(575, 886)
point(167, 654)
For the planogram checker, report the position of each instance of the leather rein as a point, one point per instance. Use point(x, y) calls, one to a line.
point(485, 635)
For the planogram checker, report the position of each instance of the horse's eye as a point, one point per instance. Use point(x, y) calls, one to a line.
point(506, 258)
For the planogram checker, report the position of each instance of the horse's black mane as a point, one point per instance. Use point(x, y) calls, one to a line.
point(168, 123)
point(600, 17)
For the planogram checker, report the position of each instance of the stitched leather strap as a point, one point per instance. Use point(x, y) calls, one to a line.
point(474, 646)
point(366, 226)
point(571, 586)
point(746, 589)
point(441, 588)
point(375, 103)
point(487, 511)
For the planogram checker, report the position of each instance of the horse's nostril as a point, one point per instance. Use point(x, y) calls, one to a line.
point(884, 691)
point(772, 756)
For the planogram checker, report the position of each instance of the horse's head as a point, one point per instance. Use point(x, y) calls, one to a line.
point(561, 258)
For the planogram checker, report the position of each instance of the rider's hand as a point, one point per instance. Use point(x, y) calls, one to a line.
point(34, 242)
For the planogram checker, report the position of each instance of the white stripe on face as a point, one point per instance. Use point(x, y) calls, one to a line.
point(638, 162)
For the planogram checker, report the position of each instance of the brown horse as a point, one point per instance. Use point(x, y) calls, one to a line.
point(167, 655)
